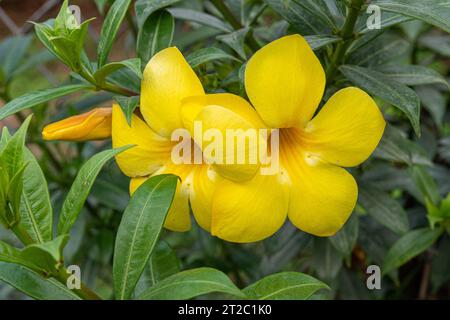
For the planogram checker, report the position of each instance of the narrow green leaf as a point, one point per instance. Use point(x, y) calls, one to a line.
point(345, 239)
point(128, 105)
point(319, 41)
point(81, 187)
point(35, 209)
point(133, 64)
point(200, 17)
point(206, 55)
point(32, 99)
point(192, 283)
point(426, 184)
point(438, 43)
point(384, 209)
point(407, 247)
point(284, 286)
point(34, 285)
point(435, 12)
point(236, 41)
point(391, 91)
point(145, 8)
point(413, 75)
point(155, 34)
point(11, 254)
point(139, 231)
point(110, 27)
point(434, 101)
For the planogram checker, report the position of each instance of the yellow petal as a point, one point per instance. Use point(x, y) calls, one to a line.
point(150, 150)
point(92, 125)
point(178, 218)
point(347, 129)
point(249, 211)
point(205, 181)
point(285, 82)
point(322, 195)
point(225, 127)
point(167, 79)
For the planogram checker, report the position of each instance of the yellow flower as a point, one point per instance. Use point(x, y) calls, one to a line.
point(284, 82)
point(92, 125)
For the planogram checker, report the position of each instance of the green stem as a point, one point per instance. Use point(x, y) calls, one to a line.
point(22, 234)
point(84, 292)
point(347, 38)
point(228, 15)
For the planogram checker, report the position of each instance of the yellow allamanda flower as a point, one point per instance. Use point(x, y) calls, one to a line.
point(284, 82)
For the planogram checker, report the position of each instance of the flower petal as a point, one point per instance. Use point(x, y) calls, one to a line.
point(178, 218)
point(92, 125)
point(347, 129)
point(322, 195)
point(249, 211)
point(225, 127)
point(150, 152)
point(167, 79)
point(205, 181)
point(285, 82)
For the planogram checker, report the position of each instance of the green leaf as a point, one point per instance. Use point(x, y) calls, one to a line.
point(35, 98)
point(426, 184)
point(128, 105)
point(284, 286)
point(155, 34)
point(81, 187)
point(408, 246)
point(384, 209)
point(139, 231)
point(319, 41)
point(434, 101)
point(133, 64)
point(35, 209)
point(236, 41)
point(145, 8)
point(388, 19)
point(110, 27)
point(435, 12)
point(437, 43)
point(13, 153)
point(391, 91)
point(191, 283)
point(163, 263)
point(206, 55)
point(12, 53)
point(413, 75)
point(13, 255)
point(200, 17)
point(345, 240)
point(47, 256)
point(34, 285)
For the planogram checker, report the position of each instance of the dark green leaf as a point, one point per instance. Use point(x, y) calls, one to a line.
point(191, 283)
point(81, 187)
point(345, 239)
point(32, 99)
point(155, 34)
point(236, 41)
point(34, 285)
point(319, 41)
point(413, 75)
point(128, 105)
point(110, 27)
point(133, 64)
point(139, 231)
point(206, 55)
point(284, 286)
point(145, 8)
point(426, 184)
point(435, 12)
point(200, 17)
point(407, 247)
point(391, 91)
point(384, 209)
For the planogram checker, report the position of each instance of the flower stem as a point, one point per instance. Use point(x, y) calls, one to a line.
point(347, 38)
point(228, 15)
point(84, 292)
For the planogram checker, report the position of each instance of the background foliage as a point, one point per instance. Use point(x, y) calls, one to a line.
point(402, 219)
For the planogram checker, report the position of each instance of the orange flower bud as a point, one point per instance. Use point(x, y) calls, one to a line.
point(92, 125)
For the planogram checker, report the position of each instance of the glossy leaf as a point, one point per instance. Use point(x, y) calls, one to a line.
point(391, 91)
point(407, 247)
point(155, 34)
point(345, 239)
point(35, 98)
point(236, 41)
point(200, 17)
point(128, 105)
point(133, 64)
point(192, 283)
point(413, 75)
point(110, 27)
point(284, 286)
point(139, 231)
point(206, 55)
point(81, 187)
point(145, 8)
